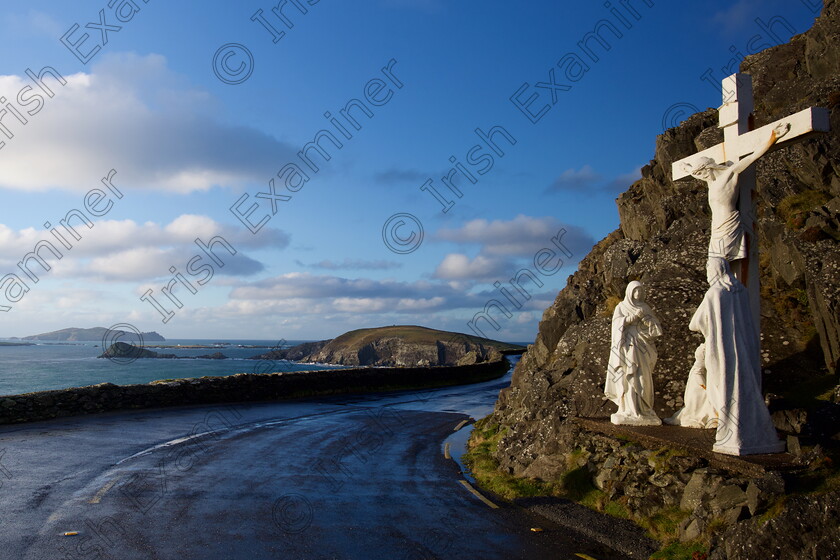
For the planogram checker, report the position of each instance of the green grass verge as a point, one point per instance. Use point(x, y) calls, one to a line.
point(694, 550)
point(485, 468)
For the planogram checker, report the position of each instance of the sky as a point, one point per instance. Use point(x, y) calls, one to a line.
point(297, 169)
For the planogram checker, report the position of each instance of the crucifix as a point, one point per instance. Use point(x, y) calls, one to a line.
point(728, 170)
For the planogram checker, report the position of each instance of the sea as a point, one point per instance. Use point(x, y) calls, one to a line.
point(45, 365)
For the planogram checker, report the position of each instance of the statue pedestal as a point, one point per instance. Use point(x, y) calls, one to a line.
point(772, 447)
point(629, 420)
point(694, 443)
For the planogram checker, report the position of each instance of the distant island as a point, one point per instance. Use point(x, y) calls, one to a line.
point(397, 346)
point(95, 334)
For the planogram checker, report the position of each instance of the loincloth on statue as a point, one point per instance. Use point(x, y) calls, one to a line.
point(729, 239)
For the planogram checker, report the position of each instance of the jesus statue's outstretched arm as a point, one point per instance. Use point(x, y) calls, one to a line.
point(775, 134)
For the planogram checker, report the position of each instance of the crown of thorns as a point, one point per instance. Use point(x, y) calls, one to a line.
point(705, 163)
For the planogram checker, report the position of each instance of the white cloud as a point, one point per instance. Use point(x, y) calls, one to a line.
point(622, 182)
point(308, 294)
point(457, 266)
point(311, 286)
point(102, 253)
point(132, 114)
point(360, 305)
point(519, 237)
point(132, 264)
point(303, 294)
point(576, 179)
point(587, 180)
point(352, 264)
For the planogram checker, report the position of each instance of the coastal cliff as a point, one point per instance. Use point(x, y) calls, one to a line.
point(397, 346)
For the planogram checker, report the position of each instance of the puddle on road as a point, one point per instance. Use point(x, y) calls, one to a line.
point(457, 447)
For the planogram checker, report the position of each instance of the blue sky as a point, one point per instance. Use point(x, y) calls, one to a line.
point(155, 104)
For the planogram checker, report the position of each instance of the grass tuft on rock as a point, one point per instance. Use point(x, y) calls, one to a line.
point(664, 525)
point(661, 458)
point(794, 209)
point(693, 550)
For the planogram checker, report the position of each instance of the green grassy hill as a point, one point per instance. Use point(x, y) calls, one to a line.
point(418, 335)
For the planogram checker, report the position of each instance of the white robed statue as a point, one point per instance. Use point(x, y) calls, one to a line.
point(733, 373)
point(632, 359)
point(697, 411)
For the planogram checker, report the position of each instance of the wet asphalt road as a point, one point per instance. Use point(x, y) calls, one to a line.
point(340, 477)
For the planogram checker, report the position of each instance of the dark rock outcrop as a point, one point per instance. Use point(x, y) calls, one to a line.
point(806, 528)
point(213, 356)
point(124, 351)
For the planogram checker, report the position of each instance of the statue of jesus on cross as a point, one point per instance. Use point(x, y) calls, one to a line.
point(728, 169)
point(729, 318)
point(730, 238)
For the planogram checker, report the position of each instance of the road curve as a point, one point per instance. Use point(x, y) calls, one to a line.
point(339, 477)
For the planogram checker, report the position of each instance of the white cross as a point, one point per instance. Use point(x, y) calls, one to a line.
point(740, 139)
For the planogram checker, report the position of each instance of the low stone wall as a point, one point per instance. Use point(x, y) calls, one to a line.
point(236, 388)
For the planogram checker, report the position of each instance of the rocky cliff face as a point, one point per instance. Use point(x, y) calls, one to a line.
point(662, 241)
point(394, 351)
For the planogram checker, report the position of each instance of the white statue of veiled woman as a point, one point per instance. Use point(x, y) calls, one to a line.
point(733, 373)
point(632, 359)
